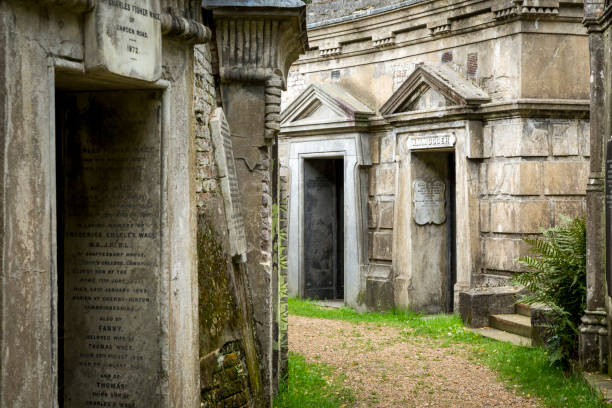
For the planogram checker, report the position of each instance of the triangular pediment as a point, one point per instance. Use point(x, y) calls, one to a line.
point(431, 87)
point(324, 103)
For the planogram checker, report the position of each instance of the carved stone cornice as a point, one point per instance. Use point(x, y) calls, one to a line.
point(257, 43)
point(184, 29)
point(525, 8)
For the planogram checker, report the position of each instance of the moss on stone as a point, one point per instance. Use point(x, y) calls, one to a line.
point(217, 308)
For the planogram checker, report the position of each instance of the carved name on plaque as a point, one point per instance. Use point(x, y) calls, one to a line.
point(429, 202)
point(431, 142)
point(123, 37)
point(112, 252)
point(224, 156)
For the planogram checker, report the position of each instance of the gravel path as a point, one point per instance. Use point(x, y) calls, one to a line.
point(385, 369)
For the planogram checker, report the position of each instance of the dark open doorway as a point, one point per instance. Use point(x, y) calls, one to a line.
point(323, 248)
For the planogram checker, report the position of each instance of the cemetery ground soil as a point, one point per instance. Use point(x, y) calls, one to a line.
point(405, 360)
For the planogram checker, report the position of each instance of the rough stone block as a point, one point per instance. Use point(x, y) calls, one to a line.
point(501, 253)
point(569, 208)
point(565, 178)
point(516, 178)
point(534, 139)
point(565, 139)
point(387, 151)
point(527, 217)
point(375, 149)
point(528, 178)
point(386, 214)
point(382, 180)
point(475, 306)
point(382, 245)
point(379, 294)
point(372, 213)
point(485, 212)
point(505, 136)
point(487, 141)
point(517, 138)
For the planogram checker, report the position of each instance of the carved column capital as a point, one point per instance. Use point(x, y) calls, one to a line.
point(258, 39)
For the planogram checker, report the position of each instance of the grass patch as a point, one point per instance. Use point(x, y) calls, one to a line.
point(525, 369)
point(312, 385)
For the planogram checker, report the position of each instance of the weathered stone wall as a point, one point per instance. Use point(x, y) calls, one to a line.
point(533, 175)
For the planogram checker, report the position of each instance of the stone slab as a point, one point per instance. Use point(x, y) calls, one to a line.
point(210, 4)
point(112, 272)
point(228, 177)
point(124, 38)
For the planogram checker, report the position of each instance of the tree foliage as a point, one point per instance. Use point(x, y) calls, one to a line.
point(556, 277)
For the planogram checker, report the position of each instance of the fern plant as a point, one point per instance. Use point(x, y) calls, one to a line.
point(556, 278)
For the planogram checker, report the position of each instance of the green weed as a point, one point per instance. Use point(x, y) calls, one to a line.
point(312, 385)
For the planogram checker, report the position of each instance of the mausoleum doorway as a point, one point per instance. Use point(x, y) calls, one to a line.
point(323, 229)
point(433, 235)
point(324, 158)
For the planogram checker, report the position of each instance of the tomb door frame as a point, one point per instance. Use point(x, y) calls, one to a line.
point(467, 214)
point(59, 66)
point(326, 149)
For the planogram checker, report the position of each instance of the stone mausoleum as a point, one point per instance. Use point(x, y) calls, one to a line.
point(138, 179)
point(422, 140)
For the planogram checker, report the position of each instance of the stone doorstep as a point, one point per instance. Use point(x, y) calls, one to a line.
point(601, 383)
point(332, 304)
point(513, 323)
point(501, 335)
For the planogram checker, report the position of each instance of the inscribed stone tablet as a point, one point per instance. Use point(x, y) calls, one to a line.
point(112, 251)
point(123, 37)
point(429, 202)
point(224, 156)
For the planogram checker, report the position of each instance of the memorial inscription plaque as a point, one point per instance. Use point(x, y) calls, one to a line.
point(429, 202)
point(123, 37)
point(112, 247)
point(224, 156)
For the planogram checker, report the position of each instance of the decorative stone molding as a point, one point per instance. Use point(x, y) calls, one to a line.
point(439, 27)
point(527, 8)
point(384, 42)
point(184, 29)
point(330, 52)
point(273, 100)
point(257, 40)
point(593, 350)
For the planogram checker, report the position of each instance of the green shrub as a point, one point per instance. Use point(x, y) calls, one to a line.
point(556, 277)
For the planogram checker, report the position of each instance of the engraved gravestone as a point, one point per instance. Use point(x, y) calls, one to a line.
point(111, 267)
point(123, 37)
point(224, 156)
point(429, 200)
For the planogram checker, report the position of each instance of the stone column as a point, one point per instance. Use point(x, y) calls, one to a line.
point(257, 41)
point(593, 331)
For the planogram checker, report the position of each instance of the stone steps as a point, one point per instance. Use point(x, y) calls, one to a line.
point(523, 309)
point(513, 323)
point(501, 335)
